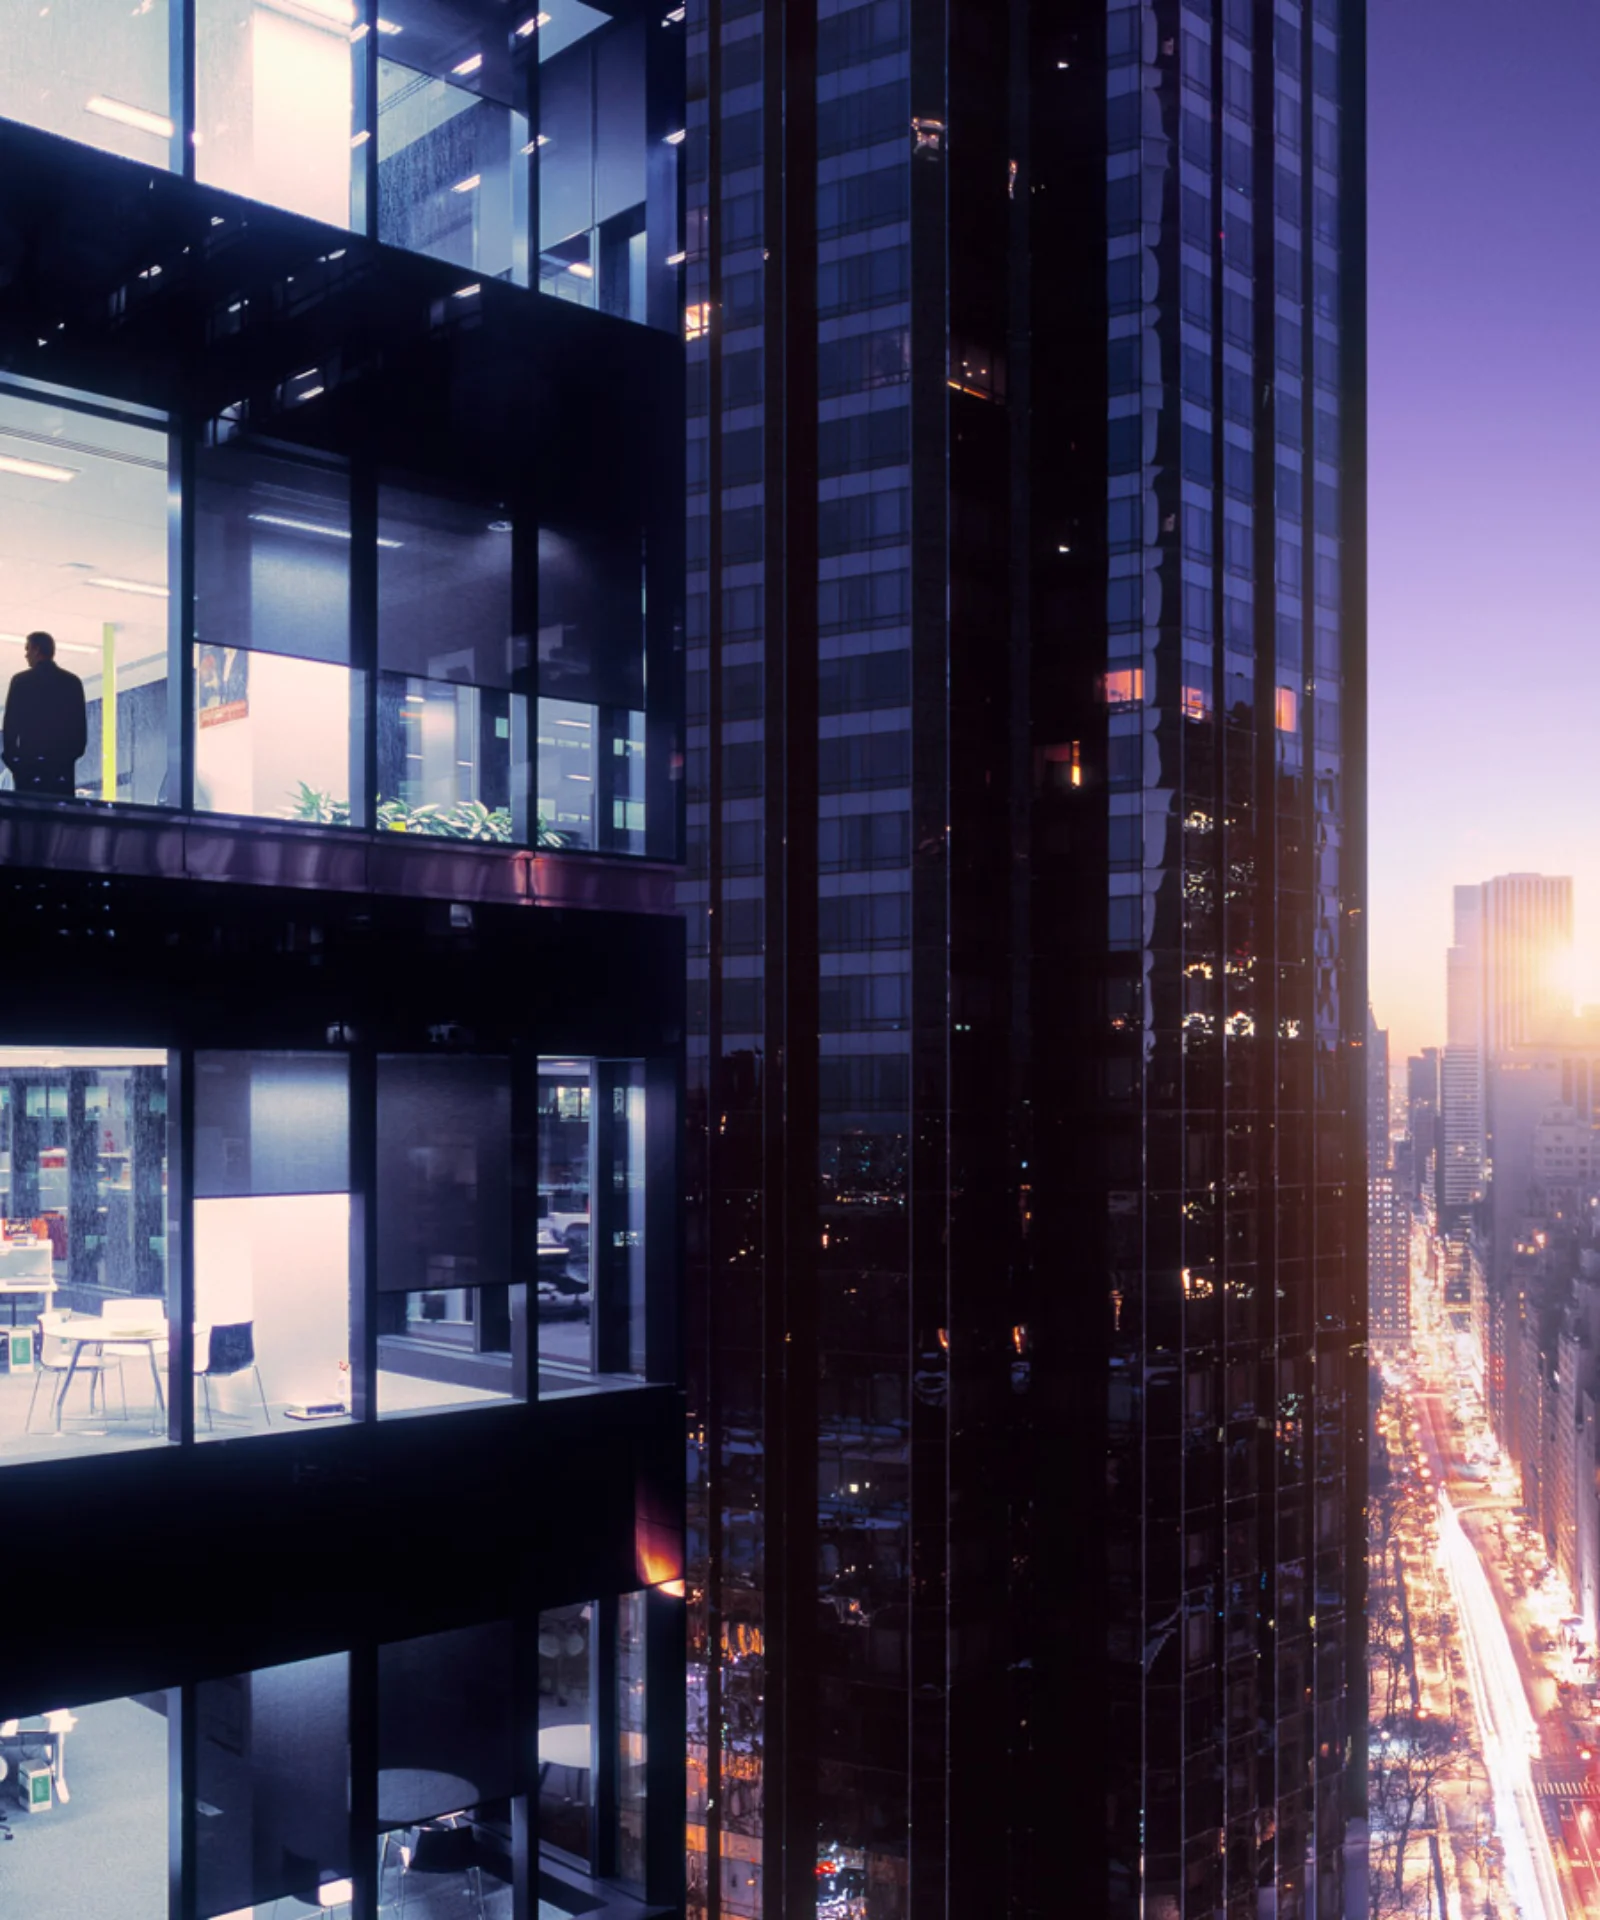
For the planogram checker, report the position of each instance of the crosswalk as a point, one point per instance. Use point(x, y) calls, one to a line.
point(1573, 1789)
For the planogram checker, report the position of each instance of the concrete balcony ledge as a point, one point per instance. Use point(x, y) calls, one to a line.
point(87, 836)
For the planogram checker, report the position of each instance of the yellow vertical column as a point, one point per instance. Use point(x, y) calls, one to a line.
point(108, 711)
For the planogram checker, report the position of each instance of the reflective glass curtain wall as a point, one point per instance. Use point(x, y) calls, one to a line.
point(1025, 953)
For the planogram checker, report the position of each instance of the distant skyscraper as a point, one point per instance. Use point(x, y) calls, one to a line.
point(1463, 1146)
point(1389, 1260)
point(1026, 671)
point(1422, 1119)
point(1378, 1153)
point(1526, 953)
point(1508, 983)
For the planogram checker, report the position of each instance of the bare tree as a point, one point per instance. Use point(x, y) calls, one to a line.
point(1411, 1761)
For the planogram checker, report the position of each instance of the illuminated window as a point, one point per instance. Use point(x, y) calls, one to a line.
point(1125, 687)
point(1194, 703)
point(1064, 764)
point(697, 320)
point(1288, 710)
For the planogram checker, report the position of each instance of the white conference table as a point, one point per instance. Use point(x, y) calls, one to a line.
point(94, 1330)
point(570, 1745)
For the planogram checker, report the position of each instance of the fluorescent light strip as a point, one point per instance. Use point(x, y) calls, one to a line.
point(677, 139)
point(470, 65)
point(331, 13)
point(466, 293)
point(291, 525)
point(140, 118)
point(35, 469)
point(127, 586)
point(62, 646)
point(582, 269)
point(388, 27)
point(470, 185)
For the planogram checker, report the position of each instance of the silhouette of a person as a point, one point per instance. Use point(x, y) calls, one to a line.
point(46, 728)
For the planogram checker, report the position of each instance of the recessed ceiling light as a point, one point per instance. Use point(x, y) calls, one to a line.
point(290, 524)
point(582, 269)
point(127, 586)
point(35, 469)
point(140, 118)
point(499, 526)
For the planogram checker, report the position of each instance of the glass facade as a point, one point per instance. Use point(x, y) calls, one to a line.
point(446, 722)
point(1025, 963)
point(549, 134)
point(340, 1078)
point(350, 1780)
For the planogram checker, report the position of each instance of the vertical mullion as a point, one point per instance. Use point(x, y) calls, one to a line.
point(181, 465)
point(181, 85)
point(364, 125)
point(364, 641)
point(525, 1222)
point(363, 1234)
point(180, 1238)
point(603, 1841)
point(181, 1892)
point(363, 1709)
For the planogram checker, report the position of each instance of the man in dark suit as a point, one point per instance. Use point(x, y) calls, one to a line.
point(46, 729)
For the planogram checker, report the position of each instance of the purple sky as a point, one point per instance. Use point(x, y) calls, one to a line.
point(1484, 397)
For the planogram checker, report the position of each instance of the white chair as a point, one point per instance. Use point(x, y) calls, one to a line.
point(55, 1358)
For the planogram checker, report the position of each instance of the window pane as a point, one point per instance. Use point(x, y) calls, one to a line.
point(92, 1787)
point(273, 103)
point(591, 1256)
point(272, 1775)
point(444, 589)
point(566, 1729)
point(276, 703)
point(607, 198)
point(271, 1240)
point(632, 1748)
point(446, 717)
point(444, 1234)
point(273, 735)
point(444, 1723)
point(451, 172)
point(83, 1250)
point(93, 73)
point(591, 762)
point(272, 554)
point(83, 548)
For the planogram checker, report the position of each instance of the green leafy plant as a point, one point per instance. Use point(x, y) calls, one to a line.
point(464, 820)
point(315, 803)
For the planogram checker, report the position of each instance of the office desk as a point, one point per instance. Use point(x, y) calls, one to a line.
point(26, 1266)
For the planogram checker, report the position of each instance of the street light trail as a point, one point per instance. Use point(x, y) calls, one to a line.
point(1510, 1734)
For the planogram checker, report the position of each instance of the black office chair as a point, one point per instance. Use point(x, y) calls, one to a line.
point(451, 1849)
point(229, 1350)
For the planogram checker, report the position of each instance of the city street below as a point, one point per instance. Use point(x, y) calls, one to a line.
point(1485, 1794)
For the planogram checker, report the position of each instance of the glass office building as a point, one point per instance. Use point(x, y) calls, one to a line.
point(341, 1058)
point(1025, 645)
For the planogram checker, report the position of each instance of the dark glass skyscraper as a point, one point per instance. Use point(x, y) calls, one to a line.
point(1027, 1086)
